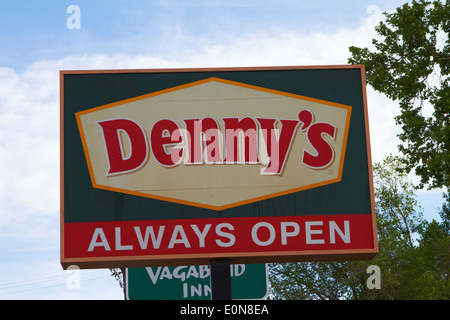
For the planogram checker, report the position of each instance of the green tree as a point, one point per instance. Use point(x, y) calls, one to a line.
point(413, 254)
point(410, 63)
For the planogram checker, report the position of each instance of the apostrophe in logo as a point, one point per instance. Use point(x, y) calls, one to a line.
point(215, 143)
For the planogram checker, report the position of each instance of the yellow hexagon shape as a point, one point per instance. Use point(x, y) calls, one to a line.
point(214, 143)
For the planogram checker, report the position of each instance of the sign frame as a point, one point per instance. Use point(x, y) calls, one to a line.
point(243, 257)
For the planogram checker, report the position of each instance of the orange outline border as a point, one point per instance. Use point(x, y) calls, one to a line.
point(202, 205)
point(250, 257)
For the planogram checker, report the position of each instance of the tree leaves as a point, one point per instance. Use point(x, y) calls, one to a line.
point(411, 64)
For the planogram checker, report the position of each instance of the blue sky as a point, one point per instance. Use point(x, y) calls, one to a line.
point(36, 30)
point(35, 44)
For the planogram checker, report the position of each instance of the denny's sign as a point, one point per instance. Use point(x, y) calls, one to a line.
point(173, 166)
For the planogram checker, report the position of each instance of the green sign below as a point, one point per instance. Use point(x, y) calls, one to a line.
point(248, 281)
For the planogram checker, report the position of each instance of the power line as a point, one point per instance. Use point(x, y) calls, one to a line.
point(29, 283)
point(6, 285)
point(46, 287)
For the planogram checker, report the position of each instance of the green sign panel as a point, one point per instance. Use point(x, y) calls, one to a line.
point(248, 281)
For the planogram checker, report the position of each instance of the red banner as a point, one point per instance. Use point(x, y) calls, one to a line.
point(230, 235)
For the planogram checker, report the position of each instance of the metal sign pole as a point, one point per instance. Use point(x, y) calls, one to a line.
point(220, 279)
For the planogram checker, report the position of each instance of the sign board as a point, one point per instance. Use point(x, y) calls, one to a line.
point(180, 166)
point(248, 281)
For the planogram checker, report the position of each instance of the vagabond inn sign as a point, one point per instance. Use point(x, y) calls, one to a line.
point(169, 167)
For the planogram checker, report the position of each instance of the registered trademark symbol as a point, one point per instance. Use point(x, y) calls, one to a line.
point(331, 171)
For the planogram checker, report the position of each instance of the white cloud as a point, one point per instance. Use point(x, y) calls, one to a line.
point(383, 130)
point(274, 47)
